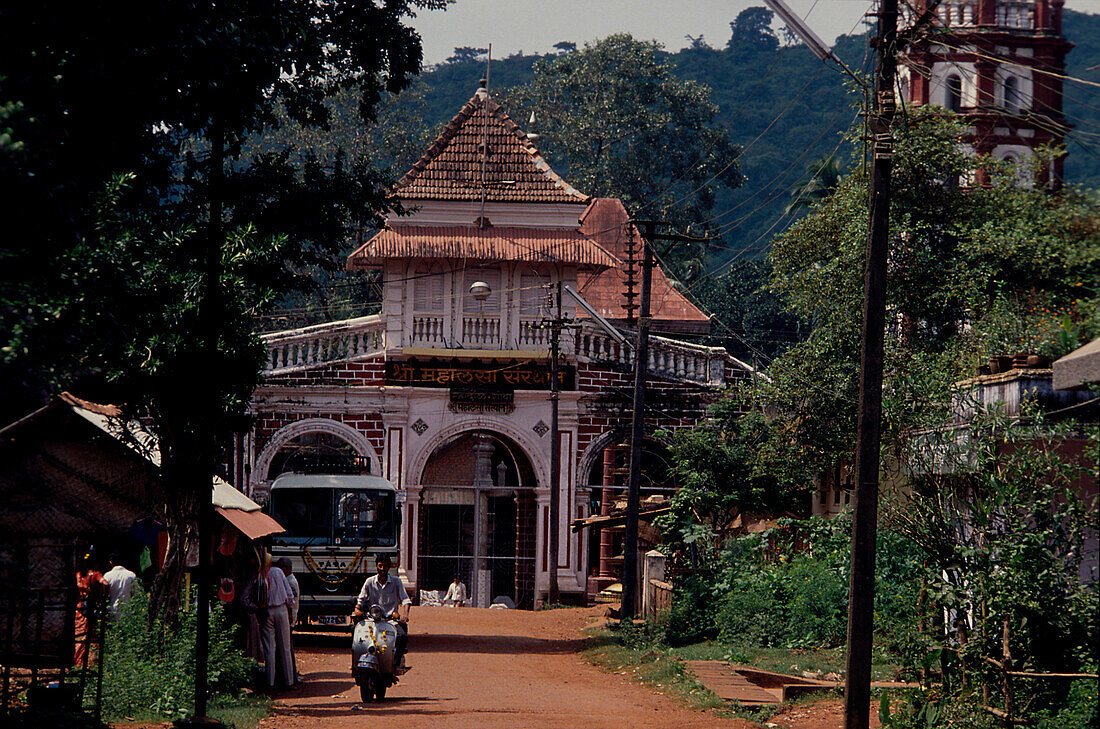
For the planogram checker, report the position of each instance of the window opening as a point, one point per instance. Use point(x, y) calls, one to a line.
point(1012, 101)
point(954, 92)
point(428, 289)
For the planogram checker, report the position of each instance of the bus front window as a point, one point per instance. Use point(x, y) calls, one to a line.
point(365, 517)
point(306, 514)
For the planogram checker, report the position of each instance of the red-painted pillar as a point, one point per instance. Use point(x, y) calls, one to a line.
point(607, 499)
point(987, 12)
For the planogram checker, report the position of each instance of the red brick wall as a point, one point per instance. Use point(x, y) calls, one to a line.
point(605, 402)
point(350, 374)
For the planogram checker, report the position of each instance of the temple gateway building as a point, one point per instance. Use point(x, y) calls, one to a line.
point(446, 393)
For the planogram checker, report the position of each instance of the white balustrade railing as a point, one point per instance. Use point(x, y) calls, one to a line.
point(1012, 14)
point(427, 330)
point(481, 332)
point(343, 341)
point(295, 350)
point(533, 334)
point(667, 357)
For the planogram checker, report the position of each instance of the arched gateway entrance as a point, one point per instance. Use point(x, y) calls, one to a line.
point(477, 519)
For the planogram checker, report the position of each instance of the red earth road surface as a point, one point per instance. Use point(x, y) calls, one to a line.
point(495, 668)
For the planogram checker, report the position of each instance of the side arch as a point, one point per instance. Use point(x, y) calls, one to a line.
point(287, 433)
point(594, 451)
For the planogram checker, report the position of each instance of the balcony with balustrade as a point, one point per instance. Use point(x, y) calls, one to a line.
point(301, 349)
point(1010, 15)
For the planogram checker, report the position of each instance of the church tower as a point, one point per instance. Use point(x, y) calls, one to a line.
point(999, 64)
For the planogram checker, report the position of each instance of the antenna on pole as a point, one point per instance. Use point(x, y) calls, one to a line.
point(483, 92)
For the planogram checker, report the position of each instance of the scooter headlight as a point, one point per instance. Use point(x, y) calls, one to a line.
point(376, 613)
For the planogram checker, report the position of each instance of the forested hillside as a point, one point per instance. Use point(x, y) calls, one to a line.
point(785, 108)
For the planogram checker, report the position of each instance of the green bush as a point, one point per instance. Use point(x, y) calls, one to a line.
point(690, 618)
point(786, 587)
point(1079, 710)
point(150, 671)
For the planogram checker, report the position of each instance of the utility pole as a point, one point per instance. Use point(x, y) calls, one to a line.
point(861, 584)
point(637, 430)
point(637, 425)
point(555, 449)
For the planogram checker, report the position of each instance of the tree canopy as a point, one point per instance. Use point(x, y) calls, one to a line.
point(151, 236)
point(974, 272)
point(616, 122)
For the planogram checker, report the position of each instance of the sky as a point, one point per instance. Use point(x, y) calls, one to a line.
point(534, 26)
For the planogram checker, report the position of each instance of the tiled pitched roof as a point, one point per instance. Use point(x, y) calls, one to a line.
point(513, 171)
point(550, 245)
point(607, 222)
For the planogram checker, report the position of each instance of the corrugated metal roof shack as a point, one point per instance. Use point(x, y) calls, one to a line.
point(73, 474)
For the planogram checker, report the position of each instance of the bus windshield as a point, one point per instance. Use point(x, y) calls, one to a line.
point(350, 517)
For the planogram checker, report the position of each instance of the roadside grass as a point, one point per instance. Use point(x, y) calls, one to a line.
point(242, 712)
point(662, 668)
point(657, 668)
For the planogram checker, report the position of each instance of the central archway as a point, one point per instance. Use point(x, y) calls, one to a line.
point(478, 518)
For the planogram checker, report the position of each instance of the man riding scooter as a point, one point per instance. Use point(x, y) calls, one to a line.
point(389, 594)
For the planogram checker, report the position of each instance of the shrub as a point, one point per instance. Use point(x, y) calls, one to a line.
point(150, 671)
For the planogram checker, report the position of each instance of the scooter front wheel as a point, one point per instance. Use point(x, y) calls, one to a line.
point(366, 689)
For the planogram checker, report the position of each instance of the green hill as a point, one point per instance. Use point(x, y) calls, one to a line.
point(787, 109)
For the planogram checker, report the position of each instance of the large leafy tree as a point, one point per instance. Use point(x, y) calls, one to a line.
point(616, 122)
point(974, 272)
point(144, 238)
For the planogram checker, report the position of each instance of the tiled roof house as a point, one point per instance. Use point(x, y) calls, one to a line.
point(445, 393)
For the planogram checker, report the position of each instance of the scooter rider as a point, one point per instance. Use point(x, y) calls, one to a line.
point(389, 594)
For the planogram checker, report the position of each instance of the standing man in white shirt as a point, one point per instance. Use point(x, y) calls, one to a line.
point(120, 583)
point(268, 593)
point(389, 594)
point(292, 609)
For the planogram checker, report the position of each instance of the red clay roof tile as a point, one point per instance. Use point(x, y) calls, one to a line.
point(551, 245)
point(454, 168)
point(607, 222)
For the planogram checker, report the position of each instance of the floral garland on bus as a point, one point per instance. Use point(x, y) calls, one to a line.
point(331, 578)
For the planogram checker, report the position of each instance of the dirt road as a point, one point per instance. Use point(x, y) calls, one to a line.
point(483, 668)
point(496, 668)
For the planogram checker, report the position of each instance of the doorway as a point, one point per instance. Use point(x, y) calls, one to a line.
point(477, 520)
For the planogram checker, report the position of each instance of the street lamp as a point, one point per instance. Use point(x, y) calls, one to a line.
point(480, 290)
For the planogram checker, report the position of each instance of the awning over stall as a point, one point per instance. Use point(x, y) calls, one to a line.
point(242, 512)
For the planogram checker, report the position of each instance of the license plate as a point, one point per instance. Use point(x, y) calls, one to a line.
point(366, 660)
point(332, 620)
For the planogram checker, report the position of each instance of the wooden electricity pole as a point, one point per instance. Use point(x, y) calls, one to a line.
point(861, 584)
point(637, 430)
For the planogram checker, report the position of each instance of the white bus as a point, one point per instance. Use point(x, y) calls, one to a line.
point(335, 527)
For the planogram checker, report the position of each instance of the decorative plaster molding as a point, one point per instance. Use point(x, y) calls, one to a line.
point(537, 453)
point(284, 435)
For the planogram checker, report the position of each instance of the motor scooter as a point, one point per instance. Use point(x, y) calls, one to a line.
point(373, 660)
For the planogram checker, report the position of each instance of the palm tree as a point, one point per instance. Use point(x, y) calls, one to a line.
point(825, 175)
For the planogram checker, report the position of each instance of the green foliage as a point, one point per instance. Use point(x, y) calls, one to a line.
point(752, 30)
point(1077, 710)
point(1002, 540)
point(719, 477)
point(149, 671)
point(750, 320)
point(774, 595)
point(616, 122)
point(974, 272)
